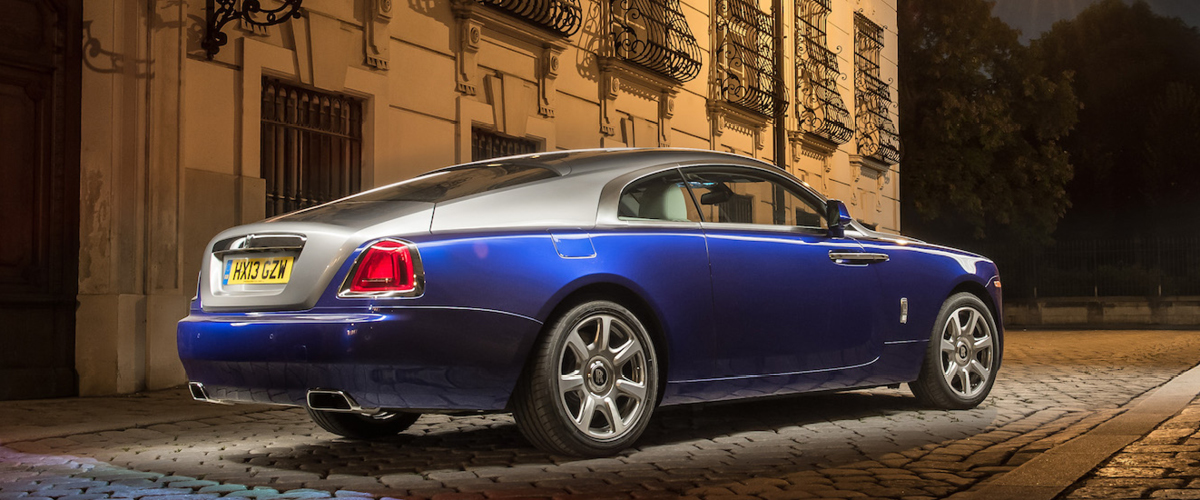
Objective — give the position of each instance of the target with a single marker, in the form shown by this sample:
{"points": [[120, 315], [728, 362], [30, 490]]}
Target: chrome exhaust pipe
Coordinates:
{"points": [[333, 400], [199, 393]]}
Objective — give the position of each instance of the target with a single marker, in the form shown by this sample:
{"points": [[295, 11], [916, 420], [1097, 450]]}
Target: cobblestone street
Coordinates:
{"points": [[1053, 386]]}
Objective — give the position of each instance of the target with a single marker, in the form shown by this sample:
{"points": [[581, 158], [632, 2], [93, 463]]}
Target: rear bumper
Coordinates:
{"points": [[436, 358]]}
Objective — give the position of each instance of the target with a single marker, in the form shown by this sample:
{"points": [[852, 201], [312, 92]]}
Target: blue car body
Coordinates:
{"points": [[736, 310]]}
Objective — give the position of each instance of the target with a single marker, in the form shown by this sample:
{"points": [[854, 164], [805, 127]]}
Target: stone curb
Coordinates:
{"points": [[1052, 472]]}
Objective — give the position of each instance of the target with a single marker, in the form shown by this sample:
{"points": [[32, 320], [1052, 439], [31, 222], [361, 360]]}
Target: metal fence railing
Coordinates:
{"points": [[1102, 268]]}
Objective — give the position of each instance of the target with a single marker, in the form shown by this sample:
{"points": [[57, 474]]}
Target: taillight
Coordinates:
{"points": [[388, 268]]}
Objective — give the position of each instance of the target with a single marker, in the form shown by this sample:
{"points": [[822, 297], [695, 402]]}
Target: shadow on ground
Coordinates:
{"points": [[675, 433]]}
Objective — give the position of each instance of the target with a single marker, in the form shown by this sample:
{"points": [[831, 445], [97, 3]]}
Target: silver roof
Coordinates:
{"points": [[582, 196], [569, 200]]}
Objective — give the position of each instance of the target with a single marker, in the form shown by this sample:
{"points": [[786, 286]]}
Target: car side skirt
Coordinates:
{"points": [[899, 362]]}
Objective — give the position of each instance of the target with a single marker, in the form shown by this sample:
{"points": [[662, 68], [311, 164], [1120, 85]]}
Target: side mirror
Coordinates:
{"points": [[837, 217]]}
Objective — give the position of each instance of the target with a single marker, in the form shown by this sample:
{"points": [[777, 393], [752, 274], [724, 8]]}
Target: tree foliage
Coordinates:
{"points": [[1136, 74], [981, 121]]}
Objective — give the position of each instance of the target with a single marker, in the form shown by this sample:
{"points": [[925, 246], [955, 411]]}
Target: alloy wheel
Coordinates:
{"points": [[966, 351], [602, 377]]}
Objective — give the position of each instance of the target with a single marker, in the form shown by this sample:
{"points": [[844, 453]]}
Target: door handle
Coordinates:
{"points": [[856, 258]]}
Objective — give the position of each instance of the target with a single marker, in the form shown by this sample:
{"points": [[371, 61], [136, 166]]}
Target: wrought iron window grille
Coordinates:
{"points": [[311, 146], [654, 34], [486, 144], [876, 133], [251, 12], [564, 17], [822, 112], [745, 56]]}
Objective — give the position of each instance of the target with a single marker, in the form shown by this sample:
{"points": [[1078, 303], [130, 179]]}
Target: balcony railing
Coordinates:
{"points": [[654, 35], [824, 113], [877, 137], [745, 57], [561, 16]]}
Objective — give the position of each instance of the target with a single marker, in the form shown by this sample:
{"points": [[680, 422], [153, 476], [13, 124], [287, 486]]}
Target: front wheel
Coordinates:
{"points": [[358, 426], [963, 356], [592, 383]]}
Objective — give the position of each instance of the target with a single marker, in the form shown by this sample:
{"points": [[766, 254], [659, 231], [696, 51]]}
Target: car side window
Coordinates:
{"points": [[661, 196], [743, 196]]}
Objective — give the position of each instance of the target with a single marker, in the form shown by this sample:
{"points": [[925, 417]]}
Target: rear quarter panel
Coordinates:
{"points": [[522, 273]]}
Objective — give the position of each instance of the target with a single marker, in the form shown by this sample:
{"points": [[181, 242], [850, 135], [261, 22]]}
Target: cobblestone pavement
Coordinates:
{"points": [[1164, 464], [875, 443]]}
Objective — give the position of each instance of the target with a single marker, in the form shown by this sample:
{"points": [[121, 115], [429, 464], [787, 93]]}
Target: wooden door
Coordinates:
{"points": [[39, 196]]}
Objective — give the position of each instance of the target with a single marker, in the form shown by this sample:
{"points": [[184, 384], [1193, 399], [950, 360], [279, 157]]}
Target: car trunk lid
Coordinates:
{"points": [[286, 263]]}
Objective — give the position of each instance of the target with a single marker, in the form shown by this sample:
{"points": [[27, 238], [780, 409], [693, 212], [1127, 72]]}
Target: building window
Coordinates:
{"points": [[561, 16], [655, 35], [876, 133], [822, 112], [486, 144], [311, 146], [745, 53]]}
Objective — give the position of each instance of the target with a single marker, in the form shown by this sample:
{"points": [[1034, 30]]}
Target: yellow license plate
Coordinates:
{"points": [[258, 271]]}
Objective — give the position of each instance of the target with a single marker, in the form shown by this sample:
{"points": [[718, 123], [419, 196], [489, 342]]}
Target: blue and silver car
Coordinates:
{"points": [[581, 290]]}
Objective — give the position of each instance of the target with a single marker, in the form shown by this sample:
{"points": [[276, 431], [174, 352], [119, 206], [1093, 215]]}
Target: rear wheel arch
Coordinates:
{"points": [[626, 297], [591, 384]]}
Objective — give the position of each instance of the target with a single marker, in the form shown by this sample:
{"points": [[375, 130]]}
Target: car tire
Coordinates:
{"points": [[592, 383], [359, 426], [963, 356]]}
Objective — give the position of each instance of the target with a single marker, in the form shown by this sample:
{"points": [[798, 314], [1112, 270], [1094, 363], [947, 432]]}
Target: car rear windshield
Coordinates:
{"points": [[444, 185]]}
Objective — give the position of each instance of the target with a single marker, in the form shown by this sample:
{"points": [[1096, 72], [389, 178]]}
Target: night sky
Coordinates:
{"points": [[1033, 17]]}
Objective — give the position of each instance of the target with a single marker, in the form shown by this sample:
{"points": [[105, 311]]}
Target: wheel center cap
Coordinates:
{"points": [[963, 352], [598, 376]]}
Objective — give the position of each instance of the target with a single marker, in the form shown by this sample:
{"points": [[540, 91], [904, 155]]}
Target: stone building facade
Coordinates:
{"points": [[174, 146]]}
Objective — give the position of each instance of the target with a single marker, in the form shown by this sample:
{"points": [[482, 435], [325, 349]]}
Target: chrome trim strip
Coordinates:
{"points": [[772, 228], [458, 308], [247, 241], [802, 372], [843, 257], [895, 342], [222, 253]]}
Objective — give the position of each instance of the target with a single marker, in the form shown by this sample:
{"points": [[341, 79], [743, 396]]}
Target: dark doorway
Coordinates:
{"points": [[39, 196]]}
